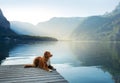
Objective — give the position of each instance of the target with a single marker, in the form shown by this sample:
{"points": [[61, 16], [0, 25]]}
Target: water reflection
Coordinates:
{"points": [[81, 59], [4, 50], [25, 53], [105, 55]]}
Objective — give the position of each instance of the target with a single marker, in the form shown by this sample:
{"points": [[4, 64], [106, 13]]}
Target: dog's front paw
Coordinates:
{"points": [[50, 70], [53, 69]]}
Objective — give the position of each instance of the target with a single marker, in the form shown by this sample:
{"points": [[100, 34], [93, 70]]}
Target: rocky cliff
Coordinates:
{"points": [[97, 28], [5, 31]]}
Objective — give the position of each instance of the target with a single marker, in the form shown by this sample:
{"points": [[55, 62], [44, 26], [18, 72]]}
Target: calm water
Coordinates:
{"points": [[77, 62]]}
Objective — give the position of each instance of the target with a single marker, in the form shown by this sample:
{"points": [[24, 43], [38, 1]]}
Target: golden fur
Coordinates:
{"points": [[41, 62]]}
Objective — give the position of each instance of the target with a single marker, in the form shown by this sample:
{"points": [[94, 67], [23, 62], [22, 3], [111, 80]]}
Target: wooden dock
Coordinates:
{"points": [[19, 74]]}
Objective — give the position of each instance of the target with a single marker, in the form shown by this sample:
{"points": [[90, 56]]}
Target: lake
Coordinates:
{"points": [[77, 62]]}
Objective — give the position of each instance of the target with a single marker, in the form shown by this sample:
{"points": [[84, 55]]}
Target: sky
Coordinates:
{"points": [[35, 11]]}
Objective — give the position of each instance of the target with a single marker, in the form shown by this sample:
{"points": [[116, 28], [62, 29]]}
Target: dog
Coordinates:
{"points": [[42, 62]]}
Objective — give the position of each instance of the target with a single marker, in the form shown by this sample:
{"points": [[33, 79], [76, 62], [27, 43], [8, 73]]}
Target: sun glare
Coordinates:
{"points": [[29, 15]]}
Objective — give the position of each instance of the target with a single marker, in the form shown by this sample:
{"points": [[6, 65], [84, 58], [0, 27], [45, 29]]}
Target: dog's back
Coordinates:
{"points": [[36, 63]]}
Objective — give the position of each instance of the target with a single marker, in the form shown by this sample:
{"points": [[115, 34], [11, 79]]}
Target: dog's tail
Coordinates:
{"points": [[29, 66]]}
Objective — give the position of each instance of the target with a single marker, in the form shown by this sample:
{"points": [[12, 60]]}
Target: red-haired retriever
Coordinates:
{"points": [[42, 62]]}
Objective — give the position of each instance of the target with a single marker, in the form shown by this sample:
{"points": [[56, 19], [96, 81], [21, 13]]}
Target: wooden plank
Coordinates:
{"points": [[19, 74]]}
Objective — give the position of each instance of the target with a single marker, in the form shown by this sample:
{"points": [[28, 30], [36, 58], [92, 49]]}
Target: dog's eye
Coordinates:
{"points": [[46, 56]]}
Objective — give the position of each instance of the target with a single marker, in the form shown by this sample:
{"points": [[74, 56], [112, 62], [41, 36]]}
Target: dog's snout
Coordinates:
{"points": [[51, 55]]}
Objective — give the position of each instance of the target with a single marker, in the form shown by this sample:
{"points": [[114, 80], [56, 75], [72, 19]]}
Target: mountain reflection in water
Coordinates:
{"points": [[77, 56]]}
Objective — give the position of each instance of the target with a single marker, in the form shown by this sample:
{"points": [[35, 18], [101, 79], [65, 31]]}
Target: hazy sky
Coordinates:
{"points": [[35, 11]]}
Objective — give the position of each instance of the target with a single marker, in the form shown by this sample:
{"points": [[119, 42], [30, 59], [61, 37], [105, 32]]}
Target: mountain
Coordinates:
{"points": [[12, 36], [24, 28], [29, 32], [60, 27], [87, 30], [116, 11], [21, 28], [104, 27], [55, 27], [5, 30]]}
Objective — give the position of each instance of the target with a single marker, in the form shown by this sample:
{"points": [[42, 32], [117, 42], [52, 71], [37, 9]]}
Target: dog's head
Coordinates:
{"points": [[47, 54]]}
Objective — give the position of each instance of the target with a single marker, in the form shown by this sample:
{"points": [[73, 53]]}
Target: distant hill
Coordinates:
{"points": [[22, 28], [55, 27], [61, 27], [104, 27]]}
